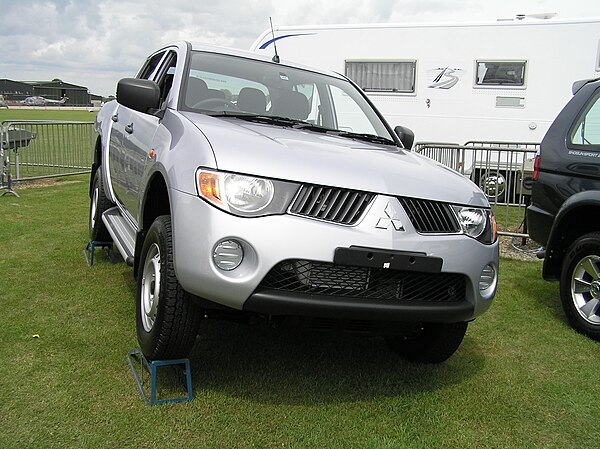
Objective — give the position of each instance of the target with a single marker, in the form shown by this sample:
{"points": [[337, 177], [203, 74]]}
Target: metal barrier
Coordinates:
{"points": [[44, 149], [503, 171]]}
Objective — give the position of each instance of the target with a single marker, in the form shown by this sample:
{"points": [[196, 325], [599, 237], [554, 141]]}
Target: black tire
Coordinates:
{"points": [[580, 285], [167, 319], [494, 185], [430, 342], [99, 203]]}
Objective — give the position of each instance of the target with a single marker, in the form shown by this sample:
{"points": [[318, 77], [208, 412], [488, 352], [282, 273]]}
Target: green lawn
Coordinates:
{"points": [[522, 377], [79, 115]]}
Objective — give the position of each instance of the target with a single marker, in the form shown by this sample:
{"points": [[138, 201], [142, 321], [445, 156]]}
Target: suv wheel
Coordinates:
{"points": [[430, 342], [99, 203], [580, 285], [167, 319]]}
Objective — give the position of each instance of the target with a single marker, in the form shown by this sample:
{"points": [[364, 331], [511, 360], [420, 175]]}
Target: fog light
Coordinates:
{"points": [[487, 278], [228, 255]]}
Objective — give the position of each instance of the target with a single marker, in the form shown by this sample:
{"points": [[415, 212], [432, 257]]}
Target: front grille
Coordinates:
{"points": [[332, 204], [327, 279], [429, 217]]}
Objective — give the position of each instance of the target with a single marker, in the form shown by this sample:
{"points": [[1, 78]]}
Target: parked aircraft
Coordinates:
{"points": [[41, 101]]}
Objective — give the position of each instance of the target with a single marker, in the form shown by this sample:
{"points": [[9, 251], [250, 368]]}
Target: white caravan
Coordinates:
{"points": [[466, 85], [500, 81]]}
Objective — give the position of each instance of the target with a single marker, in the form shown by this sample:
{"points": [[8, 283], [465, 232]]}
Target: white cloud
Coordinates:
{"points": [[96, 42]]}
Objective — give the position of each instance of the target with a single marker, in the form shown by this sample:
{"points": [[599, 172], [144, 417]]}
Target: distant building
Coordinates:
{"points": [[16, 91]]}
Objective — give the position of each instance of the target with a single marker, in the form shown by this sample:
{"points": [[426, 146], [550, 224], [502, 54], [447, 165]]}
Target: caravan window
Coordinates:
{"points": [[383, 76], [500, 73]]}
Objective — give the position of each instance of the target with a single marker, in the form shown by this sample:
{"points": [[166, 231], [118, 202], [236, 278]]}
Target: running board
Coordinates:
{"points": [[122, 233]]}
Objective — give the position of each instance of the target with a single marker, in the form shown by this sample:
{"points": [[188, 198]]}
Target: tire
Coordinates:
{"points": [[430, 342], [167, 319], [580, 285], [99, 203], [494, 186]]}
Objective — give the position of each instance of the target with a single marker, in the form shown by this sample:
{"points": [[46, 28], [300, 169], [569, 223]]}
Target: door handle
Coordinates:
{"points": [[129, 128], [115, 118]]}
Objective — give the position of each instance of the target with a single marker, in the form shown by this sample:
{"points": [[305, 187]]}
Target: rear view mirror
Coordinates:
{"points": [[407, 137], [138, 94]]}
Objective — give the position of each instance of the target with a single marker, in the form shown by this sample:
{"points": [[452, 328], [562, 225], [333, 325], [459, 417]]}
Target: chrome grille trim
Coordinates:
{"points": [[430, 217], [341, 206]]}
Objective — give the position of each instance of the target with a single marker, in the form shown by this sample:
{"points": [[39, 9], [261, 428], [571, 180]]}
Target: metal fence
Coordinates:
{"points": [[44, 149], [503, 171]]}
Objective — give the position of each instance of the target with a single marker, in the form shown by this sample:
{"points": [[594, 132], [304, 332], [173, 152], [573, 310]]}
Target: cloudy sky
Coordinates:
{"points": [[96, 42]]}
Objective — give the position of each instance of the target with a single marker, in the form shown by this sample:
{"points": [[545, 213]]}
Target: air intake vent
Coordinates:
{"points": [[331, 204], [430, 217]]}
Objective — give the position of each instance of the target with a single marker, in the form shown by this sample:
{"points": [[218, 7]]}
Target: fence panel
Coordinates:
{"points": [[44, 149], [503, 171]]}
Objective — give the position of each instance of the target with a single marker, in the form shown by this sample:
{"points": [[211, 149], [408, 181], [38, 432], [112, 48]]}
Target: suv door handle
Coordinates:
{"points": [[129, 128], [115, 118]]}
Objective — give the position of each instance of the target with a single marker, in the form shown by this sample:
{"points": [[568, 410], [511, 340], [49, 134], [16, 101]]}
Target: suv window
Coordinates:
{"points": [[586, 130]]}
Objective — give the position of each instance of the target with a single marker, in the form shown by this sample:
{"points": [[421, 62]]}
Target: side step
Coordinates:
{"points": [[122, 233]]}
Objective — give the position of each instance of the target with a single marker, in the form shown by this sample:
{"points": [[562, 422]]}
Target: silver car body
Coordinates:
{"points": [[177, 144]]}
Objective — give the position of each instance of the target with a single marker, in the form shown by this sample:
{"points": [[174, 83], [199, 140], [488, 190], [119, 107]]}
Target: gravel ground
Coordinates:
{"points": [[513, 248]]}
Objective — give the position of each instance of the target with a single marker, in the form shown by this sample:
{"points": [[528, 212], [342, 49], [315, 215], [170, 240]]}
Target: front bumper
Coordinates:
{"points": [[270, 241]]}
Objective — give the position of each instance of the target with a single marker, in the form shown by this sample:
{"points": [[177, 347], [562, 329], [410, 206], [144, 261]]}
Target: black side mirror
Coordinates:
{"points": [[407, 137], [138, 94]]}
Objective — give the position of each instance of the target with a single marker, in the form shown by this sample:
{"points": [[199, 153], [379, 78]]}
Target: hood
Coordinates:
{"points": [[316, 158]]}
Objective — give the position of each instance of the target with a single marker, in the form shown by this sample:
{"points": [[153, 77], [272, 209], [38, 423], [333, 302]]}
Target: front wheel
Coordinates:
{"points": [[429, 342], [580, 285], [167, 319]]}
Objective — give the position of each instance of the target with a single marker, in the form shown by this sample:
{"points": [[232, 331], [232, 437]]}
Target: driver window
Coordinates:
{"points": [[150, 66], [165, 77]]}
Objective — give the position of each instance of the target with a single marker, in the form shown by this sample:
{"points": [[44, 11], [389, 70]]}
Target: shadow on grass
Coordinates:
{"points": [[282, 366]]}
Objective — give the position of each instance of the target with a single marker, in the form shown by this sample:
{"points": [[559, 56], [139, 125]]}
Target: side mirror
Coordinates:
{"points": [[138, 94], [407, 137]]}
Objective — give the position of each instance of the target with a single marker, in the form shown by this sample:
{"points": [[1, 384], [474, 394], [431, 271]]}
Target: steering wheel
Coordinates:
{"points": [[215, 104]]}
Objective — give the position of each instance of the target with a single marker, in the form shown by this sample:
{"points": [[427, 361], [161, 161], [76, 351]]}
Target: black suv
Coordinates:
{"points": [[564, 214]]}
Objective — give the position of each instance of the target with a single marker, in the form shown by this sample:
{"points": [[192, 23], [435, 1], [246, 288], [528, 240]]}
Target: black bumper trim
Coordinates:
{"points": [[275, 302]]}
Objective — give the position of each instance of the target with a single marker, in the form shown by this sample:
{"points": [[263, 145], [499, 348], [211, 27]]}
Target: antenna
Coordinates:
{"points": [[276, 56]]}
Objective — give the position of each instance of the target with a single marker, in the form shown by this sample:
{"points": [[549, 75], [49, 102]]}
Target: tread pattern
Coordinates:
{"points": [[178, 316]]}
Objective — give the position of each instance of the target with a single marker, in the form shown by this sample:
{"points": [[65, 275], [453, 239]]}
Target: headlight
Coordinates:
{"points": [[244, 195], [477, 223]]}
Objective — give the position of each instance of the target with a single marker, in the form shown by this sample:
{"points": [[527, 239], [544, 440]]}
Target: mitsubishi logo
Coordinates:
{"points": [[389, 219]]}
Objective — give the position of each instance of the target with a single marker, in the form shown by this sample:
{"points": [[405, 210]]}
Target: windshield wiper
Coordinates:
{"points": [[301, 124], [366, 137], [271, 119]]}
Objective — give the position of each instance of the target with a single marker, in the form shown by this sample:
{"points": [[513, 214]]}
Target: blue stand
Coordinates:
{"points": [[90, 249], [136, 356]]}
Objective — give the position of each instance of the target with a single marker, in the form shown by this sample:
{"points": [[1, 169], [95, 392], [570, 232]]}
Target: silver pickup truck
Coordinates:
{"points": [[242, 187]]}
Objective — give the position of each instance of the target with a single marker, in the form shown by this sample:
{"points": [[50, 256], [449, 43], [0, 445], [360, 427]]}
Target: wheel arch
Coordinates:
{"points": [[572, 221], [96, 161], [156, 202]]}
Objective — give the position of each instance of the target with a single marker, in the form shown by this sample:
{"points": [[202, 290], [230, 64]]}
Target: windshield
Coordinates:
{"points": [[228, 85]]}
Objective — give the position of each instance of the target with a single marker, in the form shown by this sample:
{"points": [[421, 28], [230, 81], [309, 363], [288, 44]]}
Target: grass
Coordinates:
{"points": [[77, 115], [522, 377]]}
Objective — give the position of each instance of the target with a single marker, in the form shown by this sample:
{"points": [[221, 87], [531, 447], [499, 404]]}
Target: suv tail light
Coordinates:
{"points": [[536, 167]]}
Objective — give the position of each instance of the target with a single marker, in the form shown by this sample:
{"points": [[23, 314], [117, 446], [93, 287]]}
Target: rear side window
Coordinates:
{"points": [[500, 73], [586, 130]]}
